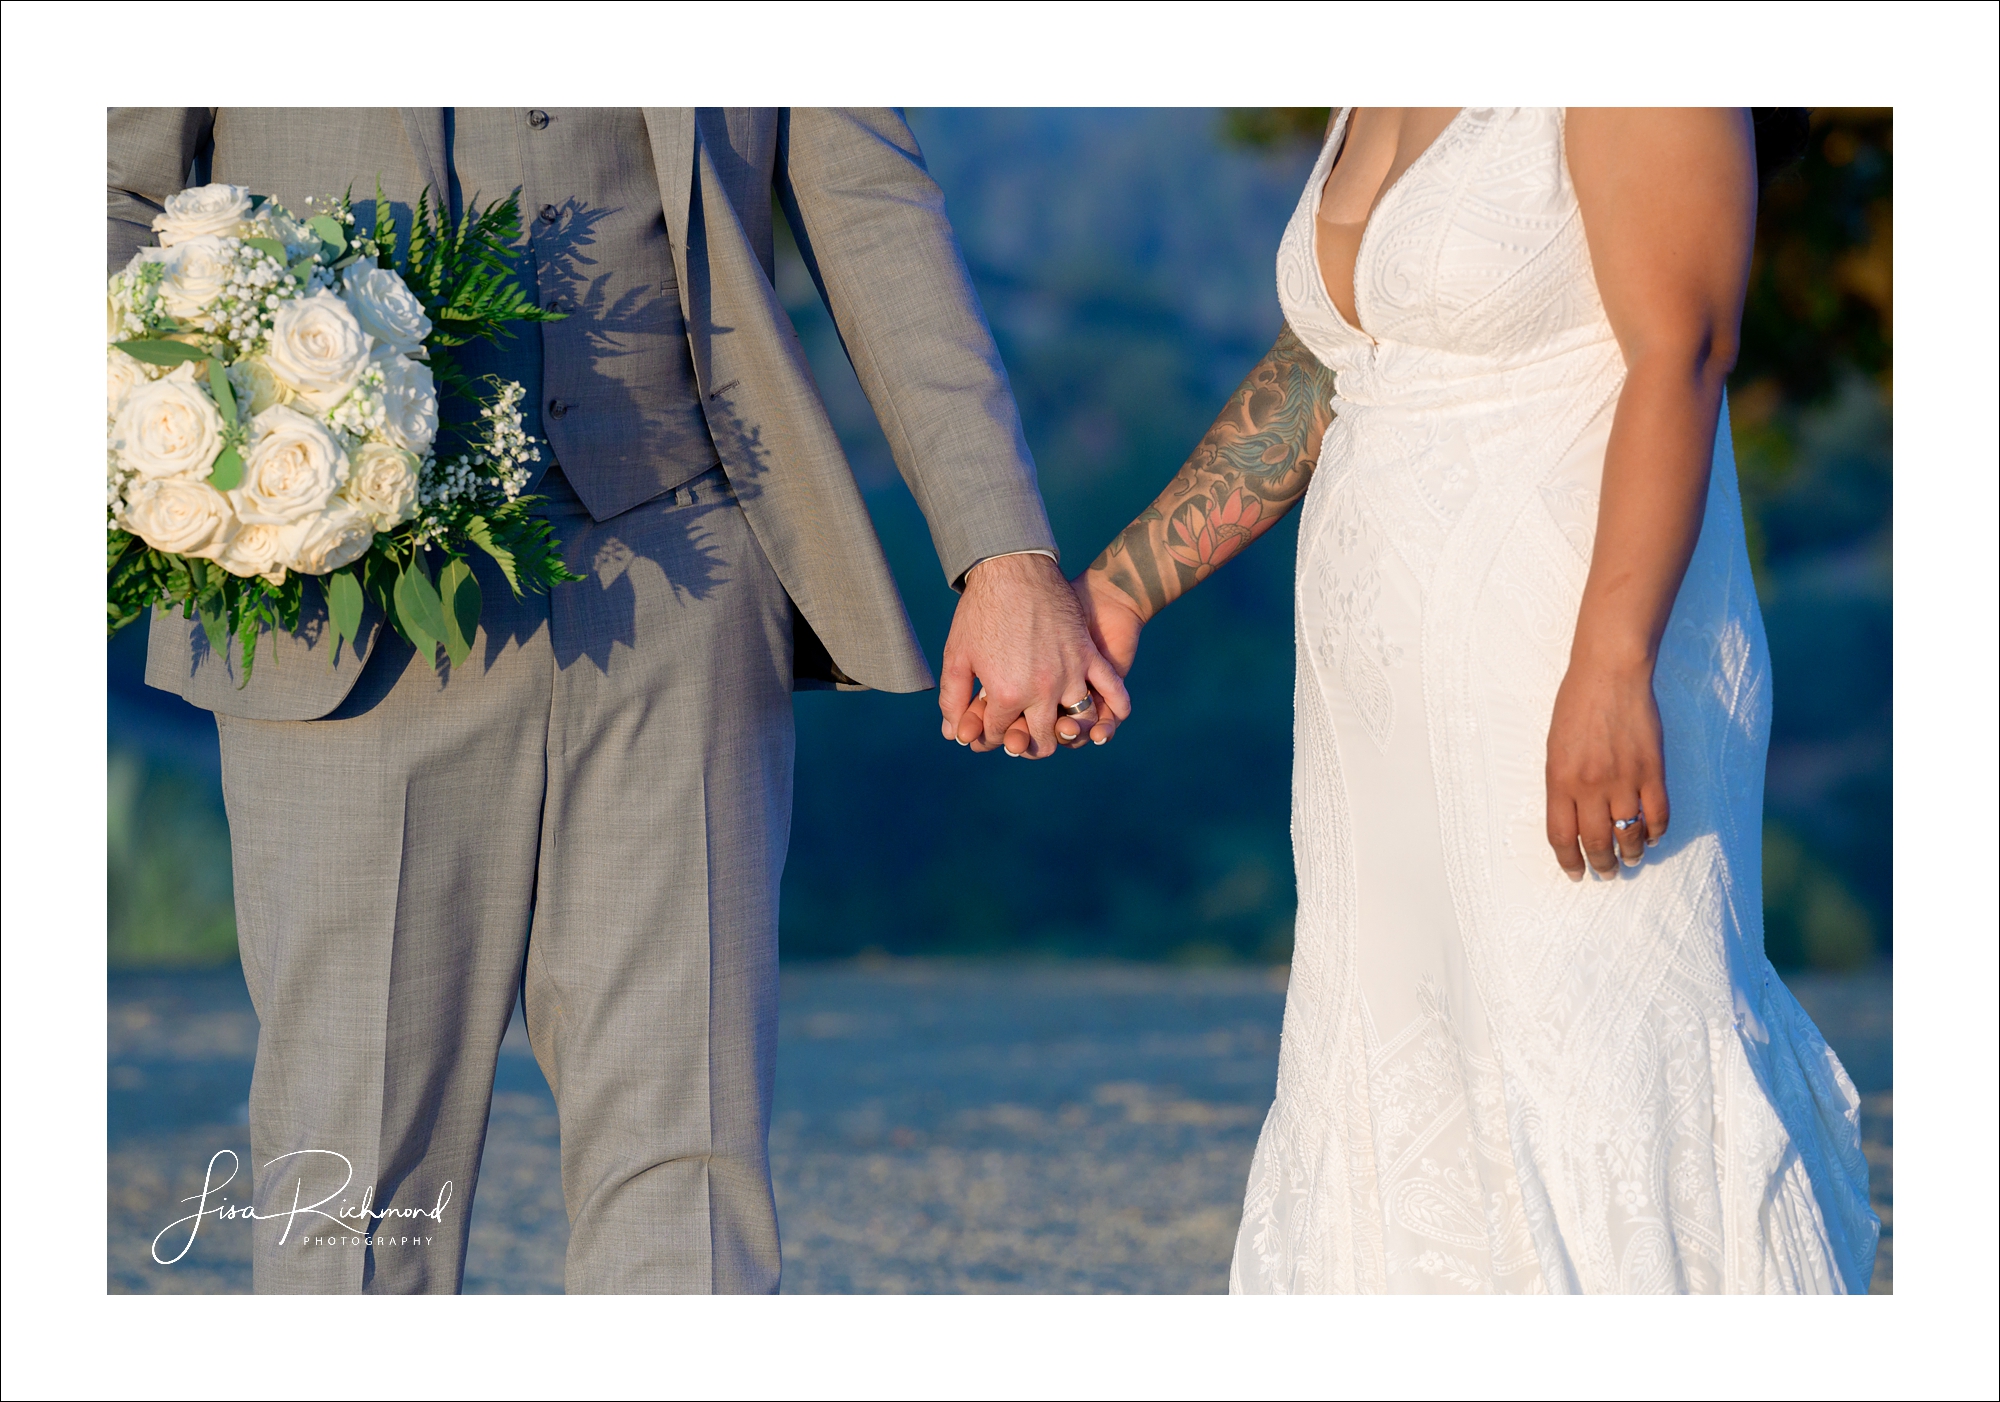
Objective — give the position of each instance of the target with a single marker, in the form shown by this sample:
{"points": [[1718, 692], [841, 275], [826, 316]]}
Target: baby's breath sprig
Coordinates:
{"points": [[495, 466]]}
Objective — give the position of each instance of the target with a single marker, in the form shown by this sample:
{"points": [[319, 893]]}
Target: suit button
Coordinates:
{"points": [[557, 408], [538, 119], [549, 213], [555, 304]]}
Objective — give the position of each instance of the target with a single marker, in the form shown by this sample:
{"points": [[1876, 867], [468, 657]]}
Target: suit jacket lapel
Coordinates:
{"points": [[425, 127], [671, 132]]}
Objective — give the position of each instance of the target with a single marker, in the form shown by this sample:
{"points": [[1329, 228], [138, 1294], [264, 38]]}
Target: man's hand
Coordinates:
{"points": [[1114, 627], [1020, 633]]}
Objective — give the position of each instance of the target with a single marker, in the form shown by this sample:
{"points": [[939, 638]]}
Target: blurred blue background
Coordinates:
{"points": [[1125, 260]]}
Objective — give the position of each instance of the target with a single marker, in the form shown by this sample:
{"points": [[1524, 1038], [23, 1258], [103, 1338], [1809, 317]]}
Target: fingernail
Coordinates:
{"points": [[1629, 861], [1652, 842], [1575, 876], [1097, 739], [961, 742]]}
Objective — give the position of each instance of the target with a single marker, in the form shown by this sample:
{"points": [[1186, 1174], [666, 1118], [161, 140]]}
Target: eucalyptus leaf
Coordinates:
{"points": [[460, 592], [329, 230], [269, 246], [302, 269], [225, 397], [227, 474], [162, 352], [343, 606], [420, 611]]}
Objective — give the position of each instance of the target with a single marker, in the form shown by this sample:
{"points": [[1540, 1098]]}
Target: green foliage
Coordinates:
{"points": [[344, 602], [167, 868], [1811, 918], [465, 275], [1820, 296], [166, 353], [458, 593], [419, 612], [1271, 128], [331, 234]]}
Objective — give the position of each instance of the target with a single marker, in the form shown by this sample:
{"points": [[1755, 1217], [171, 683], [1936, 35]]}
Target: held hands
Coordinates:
{"points": [[1022, 634], [1606, 763]]}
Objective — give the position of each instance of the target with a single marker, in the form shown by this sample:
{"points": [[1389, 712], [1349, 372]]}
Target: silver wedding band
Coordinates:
{"points": [[1074, 709]]}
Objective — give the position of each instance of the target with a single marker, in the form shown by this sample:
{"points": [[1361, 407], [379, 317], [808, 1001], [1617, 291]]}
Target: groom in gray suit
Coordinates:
{"points": [[592, 813]]}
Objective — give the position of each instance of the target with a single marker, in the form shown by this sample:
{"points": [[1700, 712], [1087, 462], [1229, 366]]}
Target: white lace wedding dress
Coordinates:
{"points": [[1493, 1079]]}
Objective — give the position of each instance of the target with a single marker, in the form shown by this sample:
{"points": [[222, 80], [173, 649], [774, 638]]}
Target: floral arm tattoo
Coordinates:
{"points": [[1249, 469]]}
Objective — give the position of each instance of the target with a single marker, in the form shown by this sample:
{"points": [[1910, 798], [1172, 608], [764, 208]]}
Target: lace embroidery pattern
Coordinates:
{"points": [[1617, 1094], [1349, 641]]}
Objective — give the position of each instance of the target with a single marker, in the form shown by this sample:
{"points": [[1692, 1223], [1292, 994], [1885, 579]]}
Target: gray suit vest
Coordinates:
{"points": [[612, 386]]}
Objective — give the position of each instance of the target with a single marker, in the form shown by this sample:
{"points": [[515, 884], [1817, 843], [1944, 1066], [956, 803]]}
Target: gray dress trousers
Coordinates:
{"points": [[598, 803]]}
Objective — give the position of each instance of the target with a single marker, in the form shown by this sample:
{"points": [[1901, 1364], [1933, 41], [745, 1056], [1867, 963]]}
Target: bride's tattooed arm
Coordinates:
{"points": [[1249, 469]]}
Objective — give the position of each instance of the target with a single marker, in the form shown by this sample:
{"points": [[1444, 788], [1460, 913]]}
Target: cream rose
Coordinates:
{"points": [[293, 468], [257, 550], [168, 428], [196, 273], [409, 404], [382, 484], [179, 516], [337, 536], [126, 375], [252, 376], [318, 348], [202, 211], [386, 308]]}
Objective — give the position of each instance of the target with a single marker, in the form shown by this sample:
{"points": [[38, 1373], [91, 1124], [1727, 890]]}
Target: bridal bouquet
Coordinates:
{"points": [[274, 416]]}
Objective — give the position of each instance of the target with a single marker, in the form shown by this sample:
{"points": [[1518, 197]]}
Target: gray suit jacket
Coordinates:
{"points": [[871, 225]]}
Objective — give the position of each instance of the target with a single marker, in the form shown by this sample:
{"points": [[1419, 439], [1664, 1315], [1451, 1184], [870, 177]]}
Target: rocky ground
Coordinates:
{"points": [[939, 1127]]}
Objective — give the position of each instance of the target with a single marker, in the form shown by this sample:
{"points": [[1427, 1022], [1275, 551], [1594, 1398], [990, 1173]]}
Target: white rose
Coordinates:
{"points": [[168, 428], [337, 536], [126, 375], [318, 348], [409, 404], [205, 210], [257, 550], [293, 468], [197, 271], [179, 516], [386, 308], [382, 484], [252, 376]]}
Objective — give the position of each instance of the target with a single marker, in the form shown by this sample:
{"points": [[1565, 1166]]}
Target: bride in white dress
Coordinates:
{"points": [[1525, 624]]}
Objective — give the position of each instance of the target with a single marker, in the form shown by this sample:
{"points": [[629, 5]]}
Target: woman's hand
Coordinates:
{"points": [[1606, 763], [1114, 627]]}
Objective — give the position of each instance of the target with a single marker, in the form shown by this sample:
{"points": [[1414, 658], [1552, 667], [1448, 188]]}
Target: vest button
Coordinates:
{"points": [[557, 408], [538, 119], [549, 213]]}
